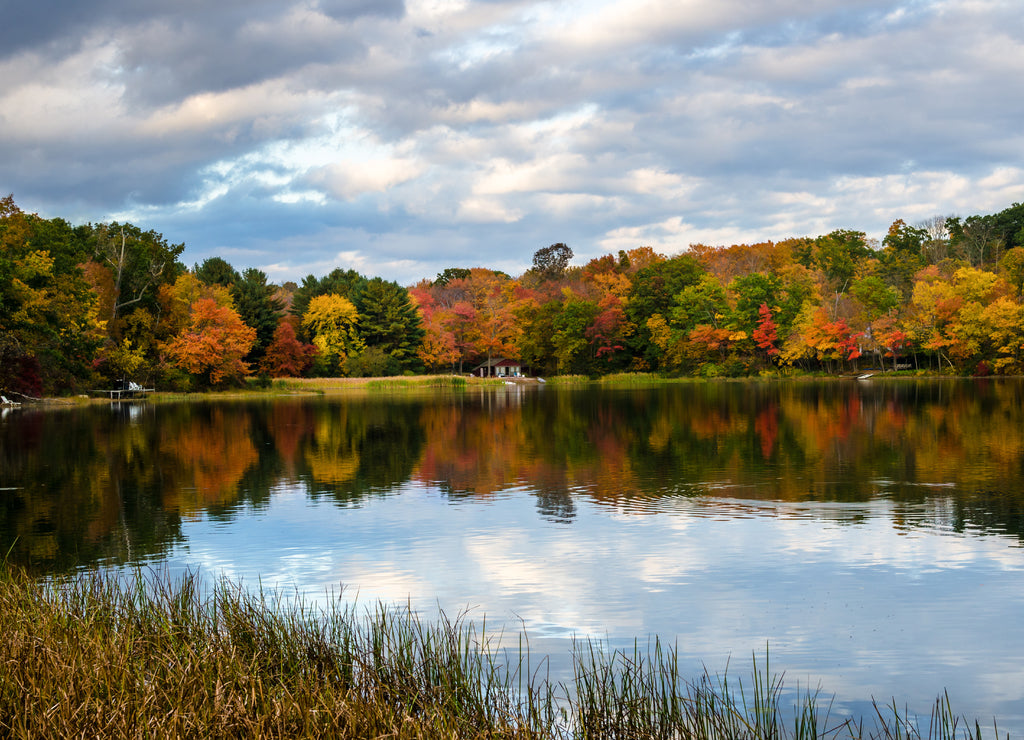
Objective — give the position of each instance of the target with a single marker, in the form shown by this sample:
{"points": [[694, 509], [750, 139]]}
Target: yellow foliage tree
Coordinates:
{"points": [[333, 322]]}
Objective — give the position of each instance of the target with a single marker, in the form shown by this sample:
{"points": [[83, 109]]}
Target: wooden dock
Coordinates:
{"points": [[127, 392]]}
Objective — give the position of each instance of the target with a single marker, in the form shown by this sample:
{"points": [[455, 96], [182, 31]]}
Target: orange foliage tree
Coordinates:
{"points": [[832, 340], [438, 349], [213, 343], [817, 337]]}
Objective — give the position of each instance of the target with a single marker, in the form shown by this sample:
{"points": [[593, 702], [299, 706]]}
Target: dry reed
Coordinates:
{"points": [[150, 657]]}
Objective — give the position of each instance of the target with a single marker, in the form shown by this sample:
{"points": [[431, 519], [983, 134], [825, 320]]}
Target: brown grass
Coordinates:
{"points": [[96, 656]]}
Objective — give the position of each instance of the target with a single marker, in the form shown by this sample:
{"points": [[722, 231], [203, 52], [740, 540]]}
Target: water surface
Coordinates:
{"points": [[868, 533]]}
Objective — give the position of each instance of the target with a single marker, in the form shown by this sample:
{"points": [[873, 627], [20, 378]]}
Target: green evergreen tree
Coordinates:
{"points": [[259, 309], [389, 320], [216, 271]]}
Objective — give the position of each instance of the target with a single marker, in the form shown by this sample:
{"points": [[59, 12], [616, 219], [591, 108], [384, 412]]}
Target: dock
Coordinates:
{"points": [[126, 392]]}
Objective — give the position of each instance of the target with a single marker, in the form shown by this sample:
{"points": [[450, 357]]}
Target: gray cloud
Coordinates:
{"points": [[408, 137]]}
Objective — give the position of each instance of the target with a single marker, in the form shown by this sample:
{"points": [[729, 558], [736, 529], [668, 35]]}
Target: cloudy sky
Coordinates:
{"points": [[400, 137]]}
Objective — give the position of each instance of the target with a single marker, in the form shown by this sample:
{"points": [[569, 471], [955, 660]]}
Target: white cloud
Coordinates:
{"points": [[620, 122], [674, 235], [74, 98], [656, 181], [487, 210], [267, 107], [348, 180], [553, 173]]}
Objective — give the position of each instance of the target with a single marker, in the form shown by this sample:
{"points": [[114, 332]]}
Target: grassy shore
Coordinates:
{"points": [[94, 656], [253, 388]]}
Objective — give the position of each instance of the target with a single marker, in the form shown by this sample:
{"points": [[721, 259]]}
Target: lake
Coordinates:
{"points": [[868, 534]]}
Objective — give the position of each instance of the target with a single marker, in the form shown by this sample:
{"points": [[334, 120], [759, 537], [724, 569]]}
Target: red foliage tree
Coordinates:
{"points": [[286, 356], [766, 333]]}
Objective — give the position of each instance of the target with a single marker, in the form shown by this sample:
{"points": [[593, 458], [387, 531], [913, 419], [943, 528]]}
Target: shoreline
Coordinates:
{"points": [[286, 387]]}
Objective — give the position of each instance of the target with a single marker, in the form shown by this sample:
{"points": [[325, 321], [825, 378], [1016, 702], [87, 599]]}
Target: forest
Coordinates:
{"points": [[82, 307]]}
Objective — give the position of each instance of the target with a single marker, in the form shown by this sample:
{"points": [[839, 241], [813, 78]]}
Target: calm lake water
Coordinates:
{"points": [[868, 533]]}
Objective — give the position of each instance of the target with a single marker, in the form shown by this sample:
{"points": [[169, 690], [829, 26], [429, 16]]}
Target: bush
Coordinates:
{"points": [[372, 362], [710, 370]]}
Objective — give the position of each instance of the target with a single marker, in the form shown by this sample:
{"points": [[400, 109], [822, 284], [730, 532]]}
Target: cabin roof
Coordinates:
{"points": [[499, 362]]}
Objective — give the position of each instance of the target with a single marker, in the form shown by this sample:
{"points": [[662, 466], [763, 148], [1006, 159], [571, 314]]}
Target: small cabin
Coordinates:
{"points": [[499, 367]]}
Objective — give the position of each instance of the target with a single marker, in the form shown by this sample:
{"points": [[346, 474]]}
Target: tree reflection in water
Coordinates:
{"points": [[114, 484]]}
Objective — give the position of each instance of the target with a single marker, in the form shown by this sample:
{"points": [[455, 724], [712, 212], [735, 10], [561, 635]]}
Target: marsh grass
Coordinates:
{"points": [[150, 656], [636, 379], [449, 382], [568, 380]]}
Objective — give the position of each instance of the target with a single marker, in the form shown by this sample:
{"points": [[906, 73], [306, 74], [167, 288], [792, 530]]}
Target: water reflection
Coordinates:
{"points": [[111, 484], [870, 532]]}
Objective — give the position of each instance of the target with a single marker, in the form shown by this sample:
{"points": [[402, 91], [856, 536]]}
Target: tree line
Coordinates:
{"points": [[85, 306]]}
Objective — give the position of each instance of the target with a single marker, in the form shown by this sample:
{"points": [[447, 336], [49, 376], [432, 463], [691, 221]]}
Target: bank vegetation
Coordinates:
{"points": [[105, 656], [86, 307]]}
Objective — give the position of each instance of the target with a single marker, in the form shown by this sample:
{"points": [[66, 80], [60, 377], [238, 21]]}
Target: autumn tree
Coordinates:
{"points": [[986, 323], [609, 331], [1004, 321], [709, 347], [573, 349], [892, 338], [902, 254], [173, 310], [820, 338], [766, 335], [729, 263], [935, 305], [496, 332], [461, 321], [652, 294], [339, 282], [333, 322], [49, 326], [139, 260], [476, 313], [213, 344], [286, 356], [437, 348], [549, 263], [1011, 267]]}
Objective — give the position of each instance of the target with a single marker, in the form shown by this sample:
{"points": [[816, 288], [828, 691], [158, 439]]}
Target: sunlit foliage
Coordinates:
{"points": [[93, 304]]}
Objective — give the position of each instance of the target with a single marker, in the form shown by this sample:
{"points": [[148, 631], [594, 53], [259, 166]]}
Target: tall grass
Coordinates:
{"points": [[453, 382], [568, 380], [635, 379], [101, 656]]}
